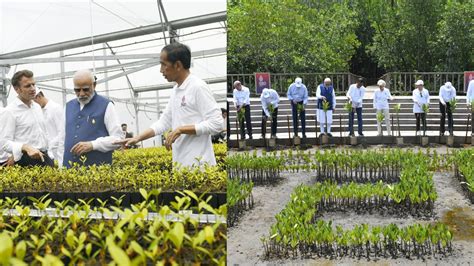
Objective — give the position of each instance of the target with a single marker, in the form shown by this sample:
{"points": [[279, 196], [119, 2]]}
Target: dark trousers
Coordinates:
{"points": [[443, 110], [422, 117], [28, 161], [359, 121], [248, 122], [274, 122], [294, 111]]}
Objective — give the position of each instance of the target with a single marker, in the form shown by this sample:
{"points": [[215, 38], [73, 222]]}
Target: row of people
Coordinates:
{"points": [[326, 101], [35, 131]]}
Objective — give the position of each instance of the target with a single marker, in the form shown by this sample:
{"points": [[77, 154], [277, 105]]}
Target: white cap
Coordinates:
{"points": [[266, 93], [419, 82], [327, 80], [298, 82], [236, 83], [381, 82], [448, 84]]}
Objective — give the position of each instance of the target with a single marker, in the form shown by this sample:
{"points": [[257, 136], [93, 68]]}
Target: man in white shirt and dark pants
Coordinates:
{"points": [[242, 100], [421, 97], [26, 135], [270, 100], [91, 125], [356, 96], [446, 93], [192, 112], [381, 98], [470, 103], [54, 116]]}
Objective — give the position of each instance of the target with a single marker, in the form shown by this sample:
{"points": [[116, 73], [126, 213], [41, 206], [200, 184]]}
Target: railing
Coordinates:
{"points": [[404, 81], [280, 82]]}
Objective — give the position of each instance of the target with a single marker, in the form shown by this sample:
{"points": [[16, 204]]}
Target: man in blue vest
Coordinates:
{"points": [[326, 96], [91, 125]]}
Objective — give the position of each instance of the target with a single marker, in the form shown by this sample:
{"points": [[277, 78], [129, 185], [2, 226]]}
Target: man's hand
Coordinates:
{"points": [[126, 143], [32, 152], [10, 161], [295, 102], [172, 138], [82, 147]]}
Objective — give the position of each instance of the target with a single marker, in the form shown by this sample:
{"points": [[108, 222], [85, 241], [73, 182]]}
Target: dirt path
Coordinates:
{"points": [[245, 248]]}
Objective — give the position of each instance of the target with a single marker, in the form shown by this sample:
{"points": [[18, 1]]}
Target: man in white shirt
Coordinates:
{"points": [[421, 97], [242, 100], [192, 112], [221, 136], [270, 100], [298, 96], [54, 115], [381, 98], [6, 159], [446, 93], [356, 96], [91, 125], [470, 103], [25, 134], [325, 93]]}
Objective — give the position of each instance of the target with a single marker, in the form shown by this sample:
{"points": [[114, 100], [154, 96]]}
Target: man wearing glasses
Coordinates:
{"points": [[24, 130], [91, 125]]}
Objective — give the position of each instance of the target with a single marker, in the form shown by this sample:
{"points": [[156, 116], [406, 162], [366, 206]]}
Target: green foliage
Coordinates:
{"points": [[464, 170], [241, 115], [397, 108], [290, 36], [426, 108], [239, 199], [142, 235], [258, 169], [380, 116], [325, 106], [453, 104], [348, 107]]}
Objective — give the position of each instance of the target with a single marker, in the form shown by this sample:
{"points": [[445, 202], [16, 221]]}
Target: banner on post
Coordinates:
{"points": [[262, 81], [468, 76]]}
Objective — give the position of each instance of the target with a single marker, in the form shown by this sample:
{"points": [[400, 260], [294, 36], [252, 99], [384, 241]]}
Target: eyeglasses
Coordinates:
{"points": [[77, 90]]}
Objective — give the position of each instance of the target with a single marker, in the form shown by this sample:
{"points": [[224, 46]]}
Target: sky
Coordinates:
{"points": [[29, 24]]}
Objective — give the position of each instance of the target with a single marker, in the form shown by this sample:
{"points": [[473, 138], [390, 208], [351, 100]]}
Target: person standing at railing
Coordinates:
{"points": [[298, 96], [381, 98], [325, 94], [242, 100], [447, 93], [421, 98], [355, 94], [470, 103], [270, 100]]}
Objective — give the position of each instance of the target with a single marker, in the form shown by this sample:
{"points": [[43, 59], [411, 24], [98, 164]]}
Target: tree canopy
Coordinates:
{"points": [[362, 36]]}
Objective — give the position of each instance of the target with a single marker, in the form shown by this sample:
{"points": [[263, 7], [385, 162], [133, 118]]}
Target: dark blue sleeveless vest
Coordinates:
{"points": [[326, 92], [86, 125]]}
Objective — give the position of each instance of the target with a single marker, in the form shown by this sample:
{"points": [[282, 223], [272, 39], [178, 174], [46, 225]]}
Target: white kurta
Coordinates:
{"points": [[54, 116], [192, 103], [322, 116]]}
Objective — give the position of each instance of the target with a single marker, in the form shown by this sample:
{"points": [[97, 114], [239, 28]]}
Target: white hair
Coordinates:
{"points": [[381, 82], [236, 83], [84, 73]]}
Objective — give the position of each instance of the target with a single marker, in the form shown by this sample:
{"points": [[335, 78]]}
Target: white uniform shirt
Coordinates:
{"points": [[241, 97], [192, 103], [446, 94], [102, 144], [381, 99], [26, 127], [470, 92], [356, 95], [273, 99], [420, 98], [54, 116]]}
